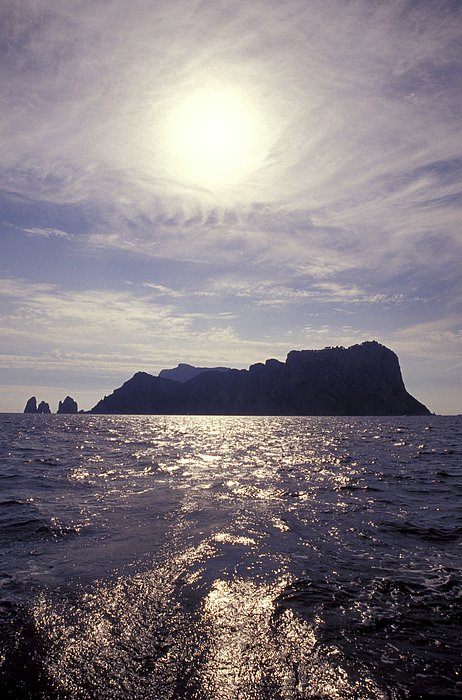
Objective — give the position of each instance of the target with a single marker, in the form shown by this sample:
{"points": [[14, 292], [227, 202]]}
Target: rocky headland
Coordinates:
{"points": [[361, 380]]}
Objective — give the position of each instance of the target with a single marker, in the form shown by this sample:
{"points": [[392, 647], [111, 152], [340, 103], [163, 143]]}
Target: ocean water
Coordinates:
{"points": [[230, 558]]}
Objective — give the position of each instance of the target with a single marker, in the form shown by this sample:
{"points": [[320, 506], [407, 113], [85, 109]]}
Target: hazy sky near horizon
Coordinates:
{"points": [[220, 182]]}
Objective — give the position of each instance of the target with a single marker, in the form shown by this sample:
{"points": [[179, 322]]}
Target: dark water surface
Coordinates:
{"points": [[230, 558]]}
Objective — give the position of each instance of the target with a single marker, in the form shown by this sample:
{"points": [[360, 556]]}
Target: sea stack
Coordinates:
{"points": [[68, 406], [31, 405]]}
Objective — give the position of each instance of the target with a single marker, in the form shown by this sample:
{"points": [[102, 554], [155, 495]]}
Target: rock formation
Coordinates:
{"points": [[184, 372], [31, 405], [68, 406], [361, 380]]}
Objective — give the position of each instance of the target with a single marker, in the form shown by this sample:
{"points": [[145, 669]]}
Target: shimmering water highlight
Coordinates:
{"points": [[226, 557]]}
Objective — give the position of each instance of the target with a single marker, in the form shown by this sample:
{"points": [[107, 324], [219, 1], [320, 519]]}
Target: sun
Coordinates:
{"points": [[214, 138]]}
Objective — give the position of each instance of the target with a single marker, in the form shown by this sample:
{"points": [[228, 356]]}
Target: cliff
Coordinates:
{"points": [[361, 380]]}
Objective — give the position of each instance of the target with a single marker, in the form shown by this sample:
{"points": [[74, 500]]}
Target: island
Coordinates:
{"points": [[362, 380]]}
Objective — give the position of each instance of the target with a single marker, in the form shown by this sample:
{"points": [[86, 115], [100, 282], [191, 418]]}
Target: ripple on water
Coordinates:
{"points": [[226, 557]]}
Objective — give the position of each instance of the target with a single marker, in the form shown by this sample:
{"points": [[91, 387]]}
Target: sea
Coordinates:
{"points": [[230, 558]]}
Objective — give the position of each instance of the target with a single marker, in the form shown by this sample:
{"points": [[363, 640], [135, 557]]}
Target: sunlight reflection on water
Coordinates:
{"points": [[245, 559], [155, 633]]}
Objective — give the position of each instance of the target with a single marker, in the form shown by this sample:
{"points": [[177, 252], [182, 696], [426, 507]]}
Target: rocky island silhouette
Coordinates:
{"points": [[364, 380], [66, 406]]}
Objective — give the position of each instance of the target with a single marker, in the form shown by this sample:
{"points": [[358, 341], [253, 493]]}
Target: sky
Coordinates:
{"points": [[220, 182]]}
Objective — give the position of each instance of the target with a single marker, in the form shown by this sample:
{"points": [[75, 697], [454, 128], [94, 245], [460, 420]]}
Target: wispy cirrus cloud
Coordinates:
{"points": [[363, 107], [48, 327], [46, 232]]}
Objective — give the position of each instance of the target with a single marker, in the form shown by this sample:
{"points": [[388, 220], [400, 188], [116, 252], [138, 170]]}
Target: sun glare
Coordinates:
{"points": [[215, 139]]}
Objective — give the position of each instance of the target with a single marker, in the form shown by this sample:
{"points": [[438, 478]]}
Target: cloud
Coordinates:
{"points": [[49, 317], [267, 293], [92, 86], [161, 290], [360, 99], [46, 232], [46, 327], [439, 339]]}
